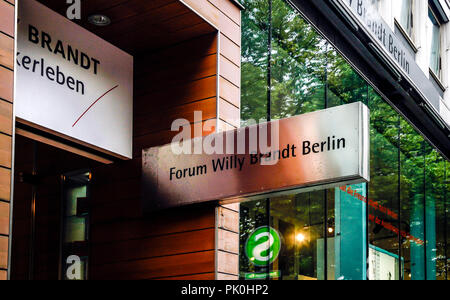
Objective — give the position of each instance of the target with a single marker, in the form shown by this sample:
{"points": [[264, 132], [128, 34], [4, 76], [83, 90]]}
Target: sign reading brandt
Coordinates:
{"points": [[72, 83], [324, 148]]}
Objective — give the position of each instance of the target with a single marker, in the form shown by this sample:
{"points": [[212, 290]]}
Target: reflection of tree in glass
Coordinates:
{"points": [[307, 74]]}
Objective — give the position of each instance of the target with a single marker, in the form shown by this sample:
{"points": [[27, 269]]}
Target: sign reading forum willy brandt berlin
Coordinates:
{"points": [[72, 83], [326, 148]]}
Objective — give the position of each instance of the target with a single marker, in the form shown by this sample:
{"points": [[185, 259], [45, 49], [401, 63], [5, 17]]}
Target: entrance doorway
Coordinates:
{"points": [[50, 230]]}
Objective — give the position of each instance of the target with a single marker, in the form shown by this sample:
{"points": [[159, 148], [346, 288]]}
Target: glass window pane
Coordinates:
{"points": [[383, 187], [75, 230], [254, 60], [350, 236], [299, 219], [434, 214], [253, 215], [435, 46], [412, 199], [344, 85], [72, 198], [299, 61], [297, 222], [405, 19]]}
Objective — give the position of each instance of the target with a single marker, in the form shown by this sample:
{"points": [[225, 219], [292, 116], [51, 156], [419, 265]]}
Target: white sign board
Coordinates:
{"points": [[322, 148], [73, 83]]}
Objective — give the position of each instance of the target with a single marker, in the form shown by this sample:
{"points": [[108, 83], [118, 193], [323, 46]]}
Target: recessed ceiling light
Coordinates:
{"points": [[99, 20]]}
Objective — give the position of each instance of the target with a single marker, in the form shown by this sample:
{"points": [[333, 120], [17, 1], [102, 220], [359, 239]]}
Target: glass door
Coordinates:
{"points": [[305, 236]]}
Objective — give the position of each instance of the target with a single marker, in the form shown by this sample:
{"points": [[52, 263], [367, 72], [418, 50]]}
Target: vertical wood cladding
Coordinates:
{"points": [[226, 16], [7, 18], [170, 83], [227, 242]]}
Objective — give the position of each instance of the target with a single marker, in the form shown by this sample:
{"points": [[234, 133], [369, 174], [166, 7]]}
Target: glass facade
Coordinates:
{"points": [[395, 227]]}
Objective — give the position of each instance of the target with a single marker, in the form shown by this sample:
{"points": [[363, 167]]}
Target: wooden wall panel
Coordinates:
{"points": [[4, 218], [206, 276], [5, 150], [179, 95], [227, 263], [6, 51], [230, 71], [6, 117], [171, 83], [128, 245], [230, 92], [176, 74], [229, 113], [6, 82], [205, 9], [152, 123], [223, 15], [158, 267], [163, 223], [164, 245], [3, 252], [230, 50], [165, 136], [7, 19], [228, 242], [222, 276], [230, 62], [229, 8], [224, 126], [7, 25], [5, 184]]}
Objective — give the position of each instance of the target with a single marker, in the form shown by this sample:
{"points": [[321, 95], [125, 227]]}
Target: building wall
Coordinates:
{"points": [[198, 242], [125, 244], [226, 15], [202, 74], [7, 18], [421, 40]]}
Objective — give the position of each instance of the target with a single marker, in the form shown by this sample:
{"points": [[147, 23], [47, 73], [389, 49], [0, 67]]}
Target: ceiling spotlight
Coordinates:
{"points": [[99, 20]]}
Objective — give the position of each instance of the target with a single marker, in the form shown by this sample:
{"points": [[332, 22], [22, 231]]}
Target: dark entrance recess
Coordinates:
{"points": [[42, 233]]}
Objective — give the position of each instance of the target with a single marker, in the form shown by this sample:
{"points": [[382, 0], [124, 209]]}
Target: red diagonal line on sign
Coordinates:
{"points": [[93, 105]]}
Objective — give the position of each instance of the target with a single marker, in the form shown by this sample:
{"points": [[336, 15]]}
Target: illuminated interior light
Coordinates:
{"points": [[300, 237]]}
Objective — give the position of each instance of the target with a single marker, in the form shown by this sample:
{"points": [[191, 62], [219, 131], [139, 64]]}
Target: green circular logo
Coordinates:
{"points": [[263, 246]]}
